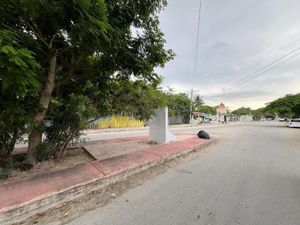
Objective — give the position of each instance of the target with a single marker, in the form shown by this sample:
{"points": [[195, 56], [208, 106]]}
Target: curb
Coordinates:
{"points": [[18, 213]]}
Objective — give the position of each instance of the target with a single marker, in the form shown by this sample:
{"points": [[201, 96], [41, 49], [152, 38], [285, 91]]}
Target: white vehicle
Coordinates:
{"points": [[294, 123]]}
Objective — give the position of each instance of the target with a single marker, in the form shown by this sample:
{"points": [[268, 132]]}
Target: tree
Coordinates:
{"points": [[258, 113], [285, 107], [137, 98], [18, 81], [179, 105], [242, 111], [207, 109], [197, 103], [64, 35]]}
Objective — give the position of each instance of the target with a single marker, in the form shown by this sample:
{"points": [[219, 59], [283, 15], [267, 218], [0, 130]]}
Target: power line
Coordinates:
{"points": [[266, 59], [196, 57], [266, 68], [262, 70], [197, 44]]}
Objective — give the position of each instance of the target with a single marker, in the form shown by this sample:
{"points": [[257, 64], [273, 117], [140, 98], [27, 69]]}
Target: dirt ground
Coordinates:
{"points": [[105, 151], [71, 158], [78, 156]]}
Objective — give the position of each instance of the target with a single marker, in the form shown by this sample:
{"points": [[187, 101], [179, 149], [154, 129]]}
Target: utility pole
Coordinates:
{"points": [[223, 95], [191, 107], [196, 60]]}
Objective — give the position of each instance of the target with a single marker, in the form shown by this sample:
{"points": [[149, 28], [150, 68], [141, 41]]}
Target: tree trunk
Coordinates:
{"points": [[35, 137]]}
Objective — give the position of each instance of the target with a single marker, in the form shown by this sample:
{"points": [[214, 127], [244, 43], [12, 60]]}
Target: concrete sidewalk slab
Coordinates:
{"points": [[176, 147], [25, 197], [104, 151]]}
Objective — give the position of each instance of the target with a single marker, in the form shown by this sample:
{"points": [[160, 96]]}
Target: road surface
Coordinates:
{"points": [[95, 136], [250, 177], [120, 134]]}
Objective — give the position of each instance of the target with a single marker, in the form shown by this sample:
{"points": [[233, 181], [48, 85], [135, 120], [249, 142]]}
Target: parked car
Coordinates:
{"points": [[294, 123]]}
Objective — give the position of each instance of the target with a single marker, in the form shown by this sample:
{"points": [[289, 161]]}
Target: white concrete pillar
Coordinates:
{"points": [[159, 127]]}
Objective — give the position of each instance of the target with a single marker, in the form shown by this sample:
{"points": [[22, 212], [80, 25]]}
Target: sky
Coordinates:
{"points": [[236, 39]]}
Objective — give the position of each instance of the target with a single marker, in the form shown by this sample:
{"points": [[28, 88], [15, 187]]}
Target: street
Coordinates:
{"points": [[251, 176], [150, 112], [94, 136], [101, 135]]}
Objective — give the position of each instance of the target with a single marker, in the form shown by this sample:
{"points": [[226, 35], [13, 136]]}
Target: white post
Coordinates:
{"points": [[159, 127]]}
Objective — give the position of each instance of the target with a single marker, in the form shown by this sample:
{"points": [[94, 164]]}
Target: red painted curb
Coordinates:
{"points": [[15, 194], [23, 191]]}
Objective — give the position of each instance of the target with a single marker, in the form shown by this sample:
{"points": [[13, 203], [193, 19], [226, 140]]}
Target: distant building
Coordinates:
{"points": [[199, 117], [221, 109], [221, 112]]}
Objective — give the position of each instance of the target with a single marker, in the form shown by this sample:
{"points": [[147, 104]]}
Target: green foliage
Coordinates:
{"points": [[207, 109], [97, 47], [258, 113], [242, 111], [285, 107], [19, 85], [68, 117], [197, 103], [3, 173], [18, 66], [15, 117], [43, 152], [288, 106], [179, 105], [138, 98]]}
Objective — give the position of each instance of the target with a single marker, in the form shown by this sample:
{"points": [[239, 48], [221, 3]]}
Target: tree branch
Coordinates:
{"points": [[38, 35], [72, 69], [53, 37], [62, 51]]}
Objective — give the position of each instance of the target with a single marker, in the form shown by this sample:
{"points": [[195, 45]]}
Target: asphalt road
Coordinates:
{"points": [[100, 135], [132, 133], [250, 177]]}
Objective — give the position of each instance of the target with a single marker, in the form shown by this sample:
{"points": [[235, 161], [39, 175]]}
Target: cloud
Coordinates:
{"points": [[240, 95], [236, 38]]}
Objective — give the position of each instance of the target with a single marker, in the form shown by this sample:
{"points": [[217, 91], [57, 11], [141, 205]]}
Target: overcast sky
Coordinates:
{"points": [[236, 39]]}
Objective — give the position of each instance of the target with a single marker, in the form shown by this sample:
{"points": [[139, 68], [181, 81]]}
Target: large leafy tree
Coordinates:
{"points": [[288, 106], [179, 105], [137, 98], [242, 111], [66, 38], [285, 107], [18, 86], [197, 103], [208, 109]]}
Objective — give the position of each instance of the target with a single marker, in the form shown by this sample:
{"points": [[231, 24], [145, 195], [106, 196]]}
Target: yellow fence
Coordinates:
{"points": [[119, 121]]}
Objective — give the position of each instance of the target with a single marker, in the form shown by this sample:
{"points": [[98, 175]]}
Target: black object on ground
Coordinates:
{"points": [[202, 134]]}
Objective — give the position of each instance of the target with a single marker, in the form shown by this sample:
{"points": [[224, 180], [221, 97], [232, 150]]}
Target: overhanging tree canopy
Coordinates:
{"points": [[65, 38]]}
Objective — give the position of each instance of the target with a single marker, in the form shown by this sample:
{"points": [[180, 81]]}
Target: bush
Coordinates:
{"points": [[68, 116]]}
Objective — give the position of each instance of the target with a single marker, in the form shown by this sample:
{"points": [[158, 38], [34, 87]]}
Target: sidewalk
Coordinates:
{"points": [[22, 198]]}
